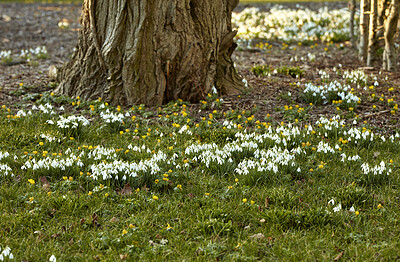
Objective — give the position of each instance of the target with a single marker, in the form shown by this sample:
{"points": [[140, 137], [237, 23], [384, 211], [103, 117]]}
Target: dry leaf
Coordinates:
{"points": [[339, 256], [95, 220], [114, 219], [267, 200], [123, 257], [127, 190]]}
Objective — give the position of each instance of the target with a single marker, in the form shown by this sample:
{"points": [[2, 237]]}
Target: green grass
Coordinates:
{"points": [[203, 212]]}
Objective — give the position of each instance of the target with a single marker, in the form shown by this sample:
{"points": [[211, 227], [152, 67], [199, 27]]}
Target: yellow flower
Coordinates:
{"points": [[106, 194], [357, 213], [168, 227], [31, 181], [131, 226], [49, 193], [380, 206], [244, 200], [31, 199], [65, 177], [41, 143], [179, 186], [236, 180], [252, 202], [156, 181], [90, 193], [124, 232], [207, 194], [155, 197], [229, 187]]}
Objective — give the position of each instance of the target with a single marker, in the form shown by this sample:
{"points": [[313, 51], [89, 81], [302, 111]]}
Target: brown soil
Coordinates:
{"points": [[26, 26]]}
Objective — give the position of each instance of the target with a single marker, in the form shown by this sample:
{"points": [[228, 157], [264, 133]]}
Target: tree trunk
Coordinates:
{"points": [[372, 33], [352, 7], [389, 54], [152, 51], [364, 29]]}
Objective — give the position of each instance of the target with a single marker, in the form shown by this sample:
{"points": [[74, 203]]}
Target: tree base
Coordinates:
{"points": [[151, 52]]}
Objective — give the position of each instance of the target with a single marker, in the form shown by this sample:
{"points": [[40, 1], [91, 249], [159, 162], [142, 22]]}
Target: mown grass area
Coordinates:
{"points": [[82, 180]]}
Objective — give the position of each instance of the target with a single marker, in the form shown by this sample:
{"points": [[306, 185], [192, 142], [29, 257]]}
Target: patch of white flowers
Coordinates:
{"points": [[5, 170], [5, 54], [45, 109], [356, 77], [72, 122], [293, 25], [376, 170], [6, 254], [331, 89], [111, 117]]}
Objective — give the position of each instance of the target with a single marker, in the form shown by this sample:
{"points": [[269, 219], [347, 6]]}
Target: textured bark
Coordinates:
{"points": [[389, 54], [364, 29], [371, 58], [352, 7], [152, 51]]}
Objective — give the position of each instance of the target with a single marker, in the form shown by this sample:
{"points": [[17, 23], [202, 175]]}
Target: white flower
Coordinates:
{"points": [[352, 209], [337, 208], [52, 258]]}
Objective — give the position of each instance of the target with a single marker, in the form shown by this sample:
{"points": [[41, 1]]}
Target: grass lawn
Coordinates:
{"points": [[165, 184]]}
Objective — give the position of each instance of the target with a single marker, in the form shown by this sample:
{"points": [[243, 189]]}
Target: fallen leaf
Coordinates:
{"points": [[6, 18], [267, 200], [45, 182], [126, 190], [123, 257], [114, 219], [95, 220], [339, 256]]}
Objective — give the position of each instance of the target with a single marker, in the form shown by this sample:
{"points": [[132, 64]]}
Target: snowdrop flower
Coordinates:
{"points": [[337, 208], [52, 258]]}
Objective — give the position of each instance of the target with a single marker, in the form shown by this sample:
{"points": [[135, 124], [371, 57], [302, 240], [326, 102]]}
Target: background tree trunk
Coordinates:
{"points": [[152, 51], [352, 7], [364, 29], [389, 54], [372, 33]]}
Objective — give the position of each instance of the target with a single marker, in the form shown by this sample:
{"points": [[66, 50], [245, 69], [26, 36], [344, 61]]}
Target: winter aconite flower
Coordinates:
{"points": [[31, 181], [155, 197], [244, 200]]}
